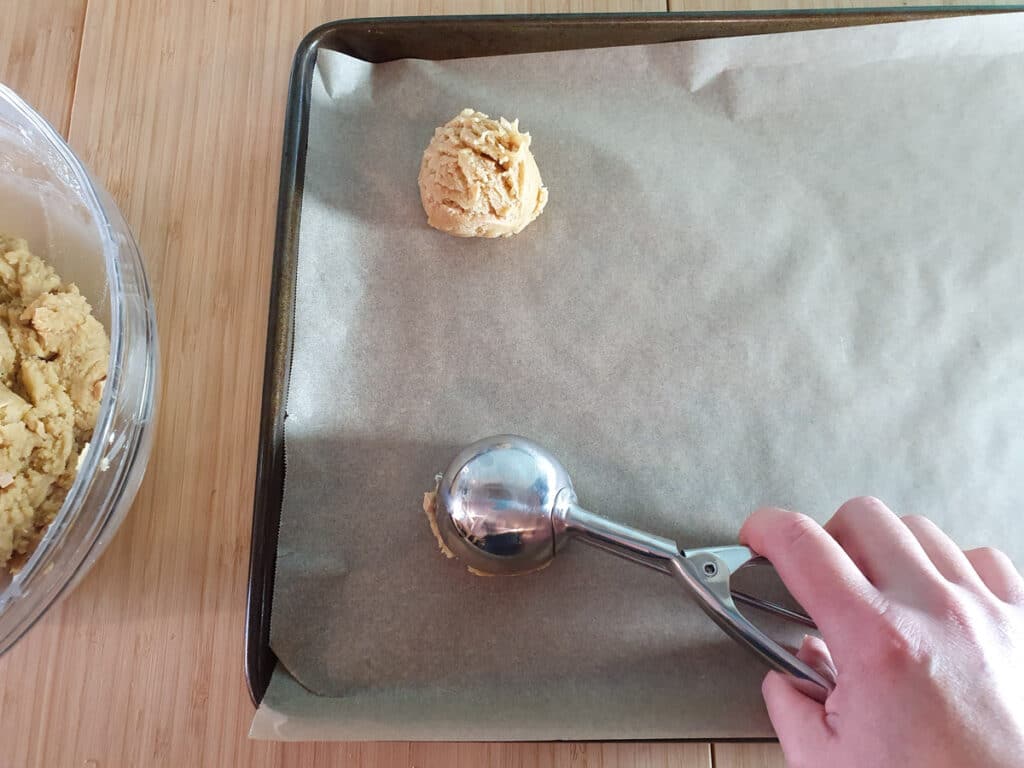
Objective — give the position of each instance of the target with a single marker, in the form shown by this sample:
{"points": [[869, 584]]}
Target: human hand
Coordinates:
{"points": [[926, 642]]}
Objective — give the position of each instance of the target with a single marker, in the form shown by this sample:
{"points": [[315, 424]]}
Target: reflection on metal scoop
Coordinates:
{"points": [[505, 505]]}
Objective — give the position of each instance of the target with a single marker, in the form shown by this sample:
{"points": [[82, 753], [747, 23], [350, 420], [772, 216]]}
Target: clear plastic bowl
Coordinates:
{"points": [[48, 198]]}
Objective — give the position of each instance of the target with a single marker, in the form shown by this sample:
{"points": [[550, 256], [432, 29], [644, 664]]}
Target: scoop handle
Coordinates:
{"points": [[569, 518], [706, 573]]}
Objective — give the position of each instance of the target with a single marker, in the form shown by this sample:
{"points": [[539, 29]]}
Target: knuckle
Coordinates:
{"points": [[916, 521], [853, 513], [952, 608], [898, 646], [897, 649], [797, 530], [854, 508], [991, 555], [869, 504]]}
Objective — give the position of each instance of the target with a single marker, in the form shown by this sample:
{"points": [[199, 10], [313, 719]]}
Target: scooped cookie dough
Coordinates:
{"points": [[430, 510], [53, 363], [478, 178]]}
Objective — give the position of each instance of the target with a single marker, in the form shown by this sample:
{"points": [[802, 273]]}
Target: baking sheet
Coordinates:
{"points": [[776, 270]]}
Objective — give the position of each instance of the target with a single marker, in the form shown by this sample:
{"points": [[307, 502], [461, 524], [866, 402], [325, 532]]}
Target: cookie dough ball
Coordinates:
{"points": [[479, 179]]}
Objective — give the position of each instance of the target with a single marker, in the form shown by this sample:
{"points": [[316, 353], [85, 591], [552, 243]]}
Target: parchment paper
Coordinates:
{"points": [[781, 270]]}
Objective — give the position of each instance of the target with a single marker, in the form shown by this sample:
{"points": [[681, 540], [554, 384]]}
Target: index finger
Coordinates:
{"points": [[815, 569]]}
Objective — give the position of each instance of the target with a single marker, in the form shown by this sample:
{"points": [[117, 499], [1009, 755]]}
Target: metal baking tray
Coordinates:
{"points": [[445, 37]]}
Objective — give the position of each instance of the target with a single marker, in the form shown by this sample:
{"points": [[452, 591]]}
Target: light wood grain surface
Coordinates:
{"points": [[39, 45], [178, 108], [770, 5], [747, 756]]}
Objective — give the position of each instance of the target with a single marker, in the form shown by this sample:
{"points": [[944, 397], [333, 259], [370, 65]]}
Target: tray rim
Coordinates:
{"points": [[259, 659]]}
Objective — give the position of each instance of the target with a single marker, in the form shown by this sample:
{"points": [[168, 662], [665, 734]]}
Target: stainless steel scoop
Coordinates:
{"points": [[505, 505]]}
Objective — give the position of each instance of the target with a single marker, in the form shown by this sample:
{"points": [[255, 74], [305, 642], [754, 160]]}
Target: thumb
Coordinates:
{"points": [[798, 719]]}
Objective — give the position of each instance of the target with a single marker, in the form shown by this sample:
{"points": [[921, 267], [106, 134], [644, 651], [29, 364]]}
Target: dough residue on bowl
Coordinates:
{"points": [[53, 364]]}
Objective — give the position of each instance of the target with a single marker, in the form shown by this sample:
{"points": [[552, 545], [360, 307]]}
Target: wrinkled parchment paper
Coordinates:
{"points": [[779, 270]]}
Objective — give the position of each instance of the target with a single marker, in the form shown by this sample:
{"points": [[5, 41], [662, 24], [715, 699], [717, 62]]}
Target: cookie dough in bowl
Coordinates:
{"points": [[479, 178], [53, 362]]}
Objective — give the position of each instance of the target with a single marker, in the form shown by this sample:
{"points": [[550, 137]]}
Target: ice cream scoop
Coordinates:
{"points": [[505, 505], [478, 178]]}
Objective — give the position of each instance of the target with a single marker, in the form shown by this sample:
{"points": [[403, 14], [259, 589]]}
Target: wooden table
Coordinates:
{"points": [[177, 106]]}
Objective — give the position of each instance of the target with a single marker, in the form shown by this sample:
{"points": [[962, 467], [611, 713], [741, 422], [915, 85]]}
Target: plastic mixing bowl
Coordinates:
{"points": [[48, 198]]}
